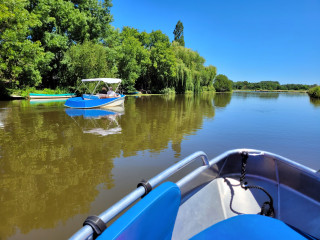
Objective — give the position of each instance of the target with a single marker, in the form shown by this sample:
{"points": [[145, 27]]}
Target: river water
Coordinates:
{"points": [[57, 165]]}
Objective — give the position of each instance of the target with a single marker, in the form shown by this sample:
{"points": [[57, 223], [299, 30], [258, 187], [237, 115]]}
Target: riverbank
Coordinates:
{"points": [[293, 91], [12, 94], [24, 94]]}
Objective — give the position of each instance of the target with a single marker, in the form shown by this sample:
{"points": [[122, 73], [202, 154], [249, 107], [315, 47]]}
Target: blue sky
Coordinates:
{"points": [[247, 40]]}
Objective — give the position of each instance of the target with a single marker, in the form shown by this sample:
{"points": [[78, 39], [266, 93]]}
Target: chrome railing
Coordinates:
{"points": [[86, 232]]}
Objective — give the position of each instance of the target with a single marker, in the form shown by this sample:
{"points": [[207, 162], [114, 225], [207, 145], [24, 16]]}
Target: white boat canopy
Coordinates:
{"points": [[105, 80]]}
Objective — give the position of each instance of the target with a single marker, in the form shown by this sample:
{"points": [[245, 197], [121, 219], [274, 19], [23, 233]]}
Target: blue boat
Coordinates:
{"points": [[241, 194], [96, 100]]}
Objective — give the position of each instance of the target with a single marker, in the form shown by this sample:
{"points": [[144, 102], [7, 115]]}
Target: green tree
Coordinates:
{"points": [[87, 60], [66, 23], [21, 59], [178, 33], [163, 66], [112, 43], [222, 83], [192, 75], [207, 76], [134, 62]]}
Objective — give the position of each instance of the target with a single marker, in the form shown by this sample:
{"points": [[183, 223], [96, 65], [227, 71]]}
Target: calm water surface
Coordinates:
{"points": [[58, 165]]}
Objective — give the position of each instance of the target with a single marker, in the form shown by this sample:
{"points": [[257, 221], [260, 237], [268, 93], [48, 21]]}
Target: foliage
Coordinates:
{"points": [[162, 70], [4, 93], [268, 85], [36, 33], [55, 43], [168, 91], [208, 89], [191, 72], [21, 60], [26, 91], [87, 60], [133, 62], [178, 33], [222, 83], [314, 92]]}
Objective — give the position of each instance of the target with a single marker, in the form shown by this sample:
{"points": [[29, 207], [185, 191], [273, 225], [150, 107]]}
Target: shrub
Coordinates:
{"points": [[222, 83], [168, 91], [314, 92]]}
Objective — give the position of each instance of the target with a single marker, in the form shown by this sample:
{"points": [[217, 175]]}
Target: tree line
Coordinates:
{"points": [[56, 43], [269, 85]]}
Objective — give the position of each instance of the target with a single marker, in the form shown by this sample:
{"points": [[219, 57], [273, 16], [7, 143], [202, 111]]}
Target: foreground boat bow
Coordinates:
{"points": [[243, 192]]}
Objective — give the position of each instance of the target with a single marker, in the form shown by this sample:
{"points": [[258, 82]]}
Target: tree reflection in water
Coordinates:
{"points": [[50, 168], [222, 99], [315, 101]]}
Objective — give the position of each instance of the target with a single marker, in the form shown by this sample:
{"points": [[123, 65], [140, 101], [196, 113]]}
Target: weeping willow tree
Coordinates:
{"points": [[191, 74], [183, 80]]}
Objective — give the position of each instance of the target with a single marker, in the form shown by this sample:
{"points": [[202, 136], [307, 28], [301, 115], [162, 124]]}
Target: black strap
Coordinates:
{"points": [[146, 185], [97, 225], [267, 208]]}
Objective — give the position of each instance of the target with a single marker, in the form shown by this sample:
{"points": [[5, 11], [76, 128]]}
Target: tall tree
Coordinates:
{"points": [[178, 33]]}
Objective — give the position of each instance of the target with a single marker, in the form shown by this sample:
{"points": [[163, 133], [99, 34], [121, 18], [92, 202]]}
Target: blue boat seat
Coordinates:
{"points": [[153, 217], [250, 227]]}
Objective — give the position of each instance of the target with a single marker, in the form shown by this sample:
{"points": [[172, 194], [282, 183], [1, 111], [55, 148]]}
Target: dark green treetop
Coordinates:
{"points": [[222, 83], [178, 33]]}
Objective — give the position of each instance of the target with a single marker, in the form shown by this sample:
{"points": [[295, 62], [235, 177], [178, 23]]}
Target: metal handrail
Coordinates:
{"points": [[86, 232]]}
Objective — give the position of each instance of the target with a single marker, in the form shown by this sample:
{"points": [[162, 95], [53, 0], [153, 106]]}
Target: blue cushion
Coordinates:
{"points": [[153, 217], [249, 227]]}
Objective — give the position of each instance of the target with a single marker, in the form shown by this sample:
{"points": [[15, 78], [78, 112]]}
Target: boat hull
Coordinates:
{"points": [[86, 103], [50, 96]]}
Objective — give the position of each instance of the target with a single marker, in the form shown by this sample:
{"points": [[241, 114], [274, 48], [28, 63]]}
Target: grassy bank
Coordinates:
{"points": [[24, 93]]}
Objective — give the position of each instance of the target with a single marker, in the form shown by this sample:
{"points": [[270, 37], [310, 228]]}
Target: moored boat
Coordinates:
{"points": [[241, 194], [33, 96], [96, 100]]}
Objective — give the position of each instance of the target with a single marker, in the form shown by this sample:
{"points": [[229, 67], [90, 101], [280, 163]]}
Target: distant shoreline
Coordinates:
{"points": [[276, 91]]}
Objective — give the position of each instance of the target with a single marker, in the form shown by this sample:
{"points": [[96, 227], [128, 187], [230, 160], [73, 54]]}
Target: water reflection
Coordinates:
{"points": [[222, 99], [3, 113], [97, 121], [52, 169], [46, 102], [51, 164], [315, 101], [251, 94]]}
